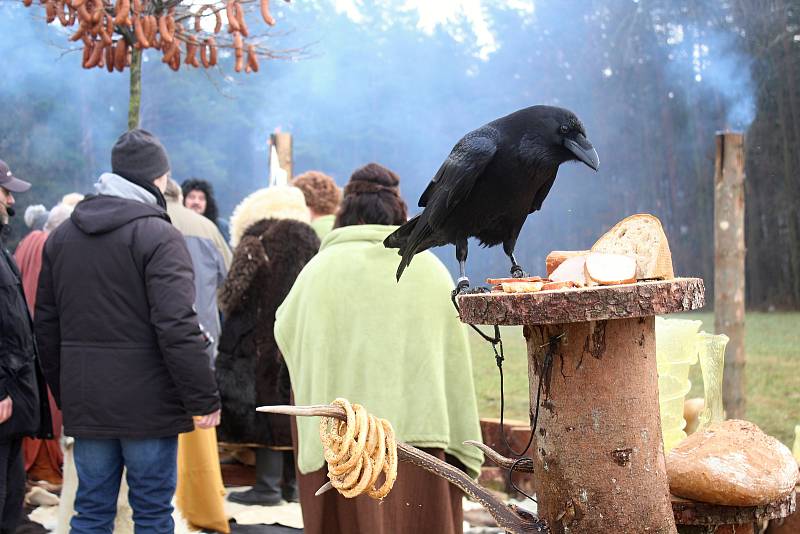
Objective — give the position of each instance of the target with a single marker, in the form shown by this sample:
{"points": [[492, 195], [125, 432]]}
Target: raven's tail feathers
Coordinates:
{"points": [[399, 237], [407, 239]]}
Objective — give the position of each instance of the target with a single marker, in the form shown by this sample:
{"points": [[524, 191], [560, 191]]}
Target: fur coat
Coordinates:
{"points": [[250, 369]]}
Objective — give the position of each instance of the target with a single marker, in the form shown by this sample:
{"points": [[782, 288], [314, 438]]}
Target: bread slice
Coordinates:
{"points": [[571, 270], [642, 237], [498, 281], [557, 257], [555, 286], [522, 287], [610, 269]]}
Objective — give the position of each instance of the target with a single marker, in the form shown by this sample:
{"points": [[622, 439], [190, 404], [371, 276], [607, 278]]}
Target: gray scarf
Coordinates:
{"points": [[116, 186]]}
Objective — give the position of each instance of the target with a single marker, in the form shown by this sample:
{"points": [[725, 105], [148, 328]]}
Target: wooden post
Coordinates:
{"points": [[598, 456], [729, 261], [283, 144]]}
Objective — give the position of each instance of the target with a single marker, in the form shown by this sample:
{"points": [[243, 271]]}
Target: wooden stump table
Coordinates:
{"points": [[695, 517], [598, 455]]}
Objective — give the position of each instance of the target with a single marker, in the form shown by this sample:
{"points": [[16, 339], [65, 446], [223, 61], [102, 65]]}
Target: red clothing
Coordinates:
{"points": [[40, 462], [29, 259]]}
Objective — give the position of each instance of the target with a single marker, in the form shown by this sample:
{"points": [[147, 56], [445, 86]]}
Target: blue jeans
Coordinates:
{"points": [[152, 476]]}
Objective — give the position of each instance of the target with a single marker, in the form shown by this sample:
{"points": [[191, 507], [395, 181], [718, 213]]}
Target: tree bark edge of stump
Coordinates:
{"points": [[642, 299]]}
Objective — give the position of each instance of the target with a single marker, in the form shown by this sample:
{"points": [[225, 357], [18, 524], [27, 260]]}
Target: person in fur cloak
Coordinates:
{"points": [[273, 243]]}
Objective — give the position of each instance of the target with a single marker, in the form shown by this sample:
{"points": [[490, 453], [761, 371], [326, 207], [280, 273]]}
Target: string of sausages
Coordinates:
{"points": [[358, 450], [143, 24]]}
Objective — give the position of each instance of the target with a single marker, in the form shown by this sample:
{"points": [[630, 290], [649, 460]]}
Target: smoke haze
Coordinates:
{"points": [[400, 83]]}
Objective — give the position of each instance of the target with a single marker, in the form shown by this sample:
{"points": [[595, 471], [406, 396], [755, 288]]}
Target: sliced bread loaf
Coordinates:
{"points": [[609, 269], [642, 237]]}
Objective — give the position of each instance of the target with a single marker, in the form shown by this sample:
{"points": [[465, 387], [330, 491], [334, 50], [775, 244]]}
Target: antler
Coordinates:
{"points": [[523, 465]]}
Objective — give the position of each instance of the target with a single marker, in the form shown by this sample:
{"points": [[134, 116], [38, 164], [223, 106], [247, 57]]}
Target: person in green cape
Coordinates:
{"points": [[348, 329]]}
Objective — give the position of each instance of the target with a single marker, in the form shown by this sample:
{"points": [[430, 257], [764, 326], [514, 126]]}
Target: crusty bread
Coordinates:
{"points": [[557, 257], [498, 281], [732, 463], [555, 286], [609, 269], [521, 287], [642, 237]]}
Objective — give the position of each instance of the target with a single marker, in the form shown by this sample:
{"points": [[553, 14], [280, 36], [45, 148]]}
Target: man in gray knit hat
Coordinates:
{"points": [[119, 340]]}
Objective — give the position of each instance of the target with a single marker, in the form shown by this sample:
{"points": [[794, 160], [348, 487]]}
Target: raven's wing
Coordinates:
{"points": [[452, 183], [541, 194], [459, 172]]}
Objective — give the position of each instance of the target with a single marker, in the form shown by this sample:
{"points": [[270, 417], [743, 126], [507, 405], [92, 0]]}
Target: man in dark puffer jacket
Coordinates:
{"points": [[119, 340]]}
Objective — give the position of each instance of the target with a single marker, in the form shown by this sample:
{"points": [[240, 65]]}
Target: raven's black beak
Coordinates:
{"points": [[583, 150]]}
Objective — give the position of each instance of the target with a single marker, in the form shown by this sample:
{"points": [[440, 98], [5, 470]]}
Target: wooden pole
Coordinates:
{"points": [[283, 144], [729, 261]]}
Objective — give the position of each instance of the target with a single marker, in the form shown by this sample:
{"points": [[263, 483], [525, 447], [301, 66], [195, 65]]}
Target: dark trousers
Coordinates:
{"points": [[152, 475], [275, 473], [12, 484]]}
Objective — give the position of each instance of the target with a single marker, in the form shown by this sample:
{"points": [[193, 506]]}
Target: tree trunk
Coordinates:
{"points": [[598, 455], [136, 89], [729, 256]]}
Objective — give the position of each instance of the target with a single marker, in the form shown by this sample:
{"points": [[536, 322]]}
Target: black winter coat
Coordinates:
{"points": [[118, 335], [20, 374], [250, 368]]}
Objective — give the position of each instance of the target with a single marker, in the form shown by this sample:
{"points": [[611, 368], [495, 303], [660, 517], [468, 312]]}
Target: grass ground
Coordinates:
{"points": [[772, 342]]}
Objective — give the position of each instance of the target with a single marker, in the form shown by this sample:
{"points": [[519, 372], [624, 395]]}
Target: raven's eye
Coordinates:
{"points": [[564, 129]]}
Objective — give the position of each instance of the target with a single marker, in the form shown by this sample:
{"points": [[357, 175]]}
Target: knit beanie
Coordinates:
{"points": [[139, 157]]}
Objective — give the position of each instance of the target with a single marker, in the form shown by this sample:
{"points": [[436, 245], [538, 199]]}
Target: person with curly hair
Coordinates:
{"points": [[323, 197]]}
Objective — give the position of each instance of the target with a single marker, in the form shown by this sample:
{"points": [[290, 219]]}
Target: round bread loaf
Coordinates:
{"points": [[732, 463]]}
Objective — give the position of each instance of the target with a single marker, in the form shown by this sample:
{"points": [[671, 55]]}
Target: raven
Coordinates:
{"points": [[493, 178]]}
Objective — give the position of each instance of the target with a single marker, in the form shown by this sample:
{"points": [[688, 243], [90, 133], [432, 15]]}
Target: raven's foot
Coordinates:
{"points": [[476, 290], [462, 286], [517, 272], [479, 290]]}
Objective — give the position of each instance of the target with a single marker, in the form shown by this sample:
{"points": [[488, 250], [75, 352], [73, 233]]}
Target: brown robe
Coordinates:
{"points": [[419, 503], [43, 457]]}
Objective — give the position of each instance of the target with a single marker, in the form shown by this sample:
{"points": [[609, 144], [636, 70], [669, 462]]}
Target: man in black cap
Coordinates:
{"points": [[24, 409], [120, 342], [9, 184]]}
